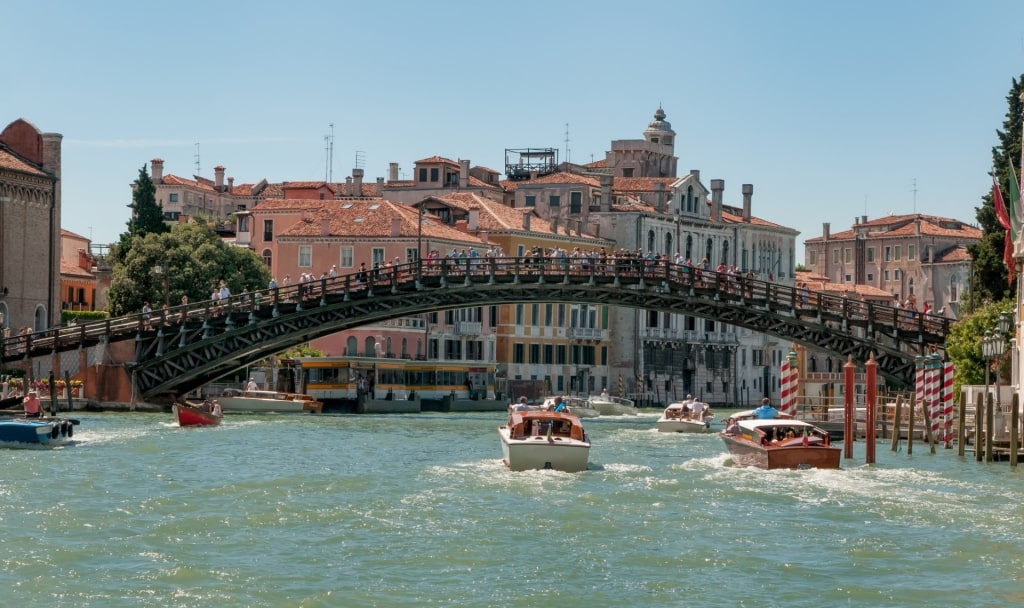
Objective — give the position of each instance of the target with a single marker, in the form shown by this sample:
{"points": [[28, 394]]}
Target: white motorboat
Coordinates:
{"points": [[239, 401], [577, 405], [544, 440], [685, 417], [613, 406]]}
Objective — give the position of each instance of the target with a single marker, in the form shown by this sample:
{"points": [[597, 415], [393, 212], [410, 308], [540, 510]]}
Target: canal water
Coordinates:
{"points": [[416, 510]]}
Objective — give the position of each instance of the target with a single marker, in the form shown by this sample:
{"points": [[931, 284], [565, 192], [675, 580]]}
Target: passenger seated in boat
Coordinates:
{"points": [[215, 408], [731, 427], [522, 406], [559, 405]]}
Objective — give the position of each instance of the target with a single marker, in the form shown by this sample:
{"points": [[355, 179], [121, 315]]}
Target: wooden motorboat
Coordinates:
{"points": [[190, 414], [36, 430], [613, 406], [544, 440], [685, 417], [234, 400], [780, 443], [9, 403]]}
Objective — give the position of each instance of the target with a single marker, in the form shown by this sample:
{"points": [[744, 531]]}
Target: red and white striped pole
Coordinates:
{"points": [[933, 368], [947, 401], [788, 390]]}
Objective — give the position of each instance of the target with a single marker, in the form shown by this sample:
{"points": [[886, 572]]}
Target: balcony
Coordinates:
{"points": [[468, 328], [585, 333]]}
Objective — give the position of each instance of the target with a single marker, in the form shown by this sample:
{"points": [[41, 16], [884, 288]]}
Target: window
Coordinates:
{"points": [[423, 175], [561, 354], [411, 254], [530, 201], [954, 288], [519, 314], [268, 257], [725, 252], [888, 254], [911, 252], [689, 199], [346, 259], [871, 277], [835, 256], [554, 200], [627, 172], [549, 354], [434, 174], [548, 314], [708, 251], [377, 256], [885, 276], [847, 255], [268, 230], [575, 202], [896, 252], [871, 255], [689, 246], [650, 240], [535, 353], [535, 315], [812, 257], [305, 256]]}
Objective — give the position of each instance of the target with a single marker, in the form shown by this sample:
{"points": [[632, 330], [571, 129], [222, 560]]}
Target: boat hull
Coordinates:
{"points": [[193, 416], [795, 455], [613, 406], [35, 430], [675, 425], [541, 453], [267, 401]]}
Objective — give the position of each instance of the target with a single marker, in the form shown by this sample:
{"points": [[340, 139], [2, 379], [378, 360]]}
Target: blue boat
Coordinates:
{"points": [[35, 430]]}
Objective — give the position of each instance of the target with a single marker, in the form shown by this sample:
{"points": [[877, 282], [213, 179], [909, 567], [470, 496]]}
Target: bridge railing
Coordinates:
{"points": [[750, 290]]}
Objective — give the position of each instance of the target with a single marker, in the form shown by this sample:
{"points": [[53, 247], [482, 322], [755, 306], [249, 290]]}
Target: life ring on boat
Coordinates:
{"points": [[55, 431]]}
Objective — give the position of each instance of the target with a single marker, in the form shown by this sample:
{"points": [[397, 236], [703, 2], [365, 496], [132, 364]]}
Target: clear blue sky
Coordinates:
{"points": [[831, 109]]}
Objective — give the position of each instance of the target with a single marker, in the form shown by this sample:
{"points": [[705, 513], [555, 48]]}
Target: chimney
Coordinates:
{"points": [[659, 197], [474, 218], [396, 225], [218, 178], [825, 230], [606, 192], [863, 219], [526, 220], [157, 170], [325, 227], [717, 186], [357, 177], [392, 172], [748, 191], [696, 174], [917, 226], [464, 175], [380, 187], [231, 184]]}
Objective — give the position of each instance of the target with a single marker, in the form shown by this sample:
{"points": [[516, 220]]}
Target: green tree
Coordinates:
{"points": [[194, 260], [989, 278], [963, 344], [147, 216]]}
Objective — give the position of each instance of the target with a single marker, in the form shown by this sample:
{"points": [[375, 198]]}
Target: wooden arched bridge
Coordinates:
{"points": [[183, 348]]}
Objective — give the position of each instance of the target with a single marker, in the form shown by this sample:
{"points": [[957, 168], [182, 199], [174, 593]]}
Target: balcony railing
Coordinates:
{"points": [[591, 333], [468, 328]]}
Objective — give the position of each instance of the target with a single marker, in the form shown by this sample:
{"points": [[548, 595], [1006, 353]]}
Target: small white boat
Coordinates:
{"points": [[577, 405], [239, 401], [544, 440], [613, 406], [685, 417]]}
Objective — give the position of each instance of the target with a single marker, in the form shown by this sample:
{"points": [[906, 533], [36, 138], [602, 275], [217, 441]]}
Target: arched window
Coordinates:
{"points": [[351, 346], [405, 348], [370, 349], [39, 322], [709, 251], [689, 246], [650, 240], [754, 260], [387, 346], [725, 253], [668, 242], [954, 288], [268, 257]]}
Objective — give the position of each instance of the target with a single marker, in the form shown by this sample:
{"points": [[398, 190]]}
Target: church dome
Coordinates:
{"points": [[659, 124]]}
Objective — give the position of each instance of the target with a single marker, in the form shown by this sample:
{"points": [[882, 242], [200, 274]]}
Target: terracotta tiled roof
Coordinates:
{"points": [[174, 180], [305, 184], [68, 233], [957, 253], [731, 215], [487, 169], [406, 183], [494, 216], [438, 159], [479, 183], [641, 184], [364, 218], [598, 164], [8, 160], [902, 226], [242, 189], [73, 271]]}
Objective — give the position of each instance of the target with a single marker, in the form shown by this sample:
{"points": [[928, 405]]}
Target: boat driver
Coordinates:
{"points": [[766, 411], [33, 409], [559, 404]]}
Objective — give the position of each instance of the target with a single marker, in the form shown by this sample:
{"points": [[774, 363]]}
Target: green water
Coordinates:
{"points": [[416, 510]]}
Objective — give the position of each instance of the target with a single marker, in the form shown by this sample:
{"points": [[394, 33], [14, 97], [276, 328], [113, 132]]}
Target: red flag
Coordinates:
{"points": [[1011, 266], [997, 199]]}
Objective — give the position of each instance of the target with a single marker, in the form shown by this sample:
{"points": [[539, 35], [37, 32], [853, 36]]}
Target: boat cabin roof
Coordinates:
{"points": [[755, 423]]}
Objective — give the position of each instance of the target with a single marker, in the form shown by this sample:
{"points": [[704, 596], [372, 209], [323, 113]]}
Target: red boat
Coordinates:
{"points": [[188, 414]]}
